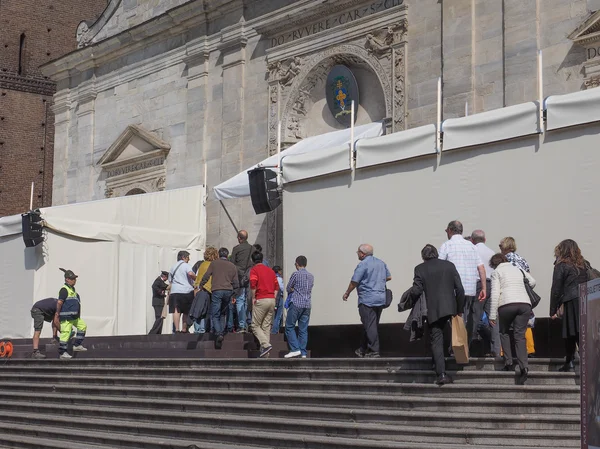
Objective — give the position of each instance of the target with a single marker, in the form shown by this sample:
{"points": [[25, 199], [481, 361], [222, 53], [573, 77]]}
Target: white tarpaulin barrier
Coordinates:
{"points": [[573, 109], [396, 147], [238, 187], [117, 247], [309, 165], [539, 191], [492, 126]]}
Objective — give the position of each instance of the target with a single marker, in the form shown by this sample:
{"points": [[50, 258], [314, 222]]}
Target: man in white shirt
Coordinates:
{"points": [[464, 255], [182, 279], [485, 254]]}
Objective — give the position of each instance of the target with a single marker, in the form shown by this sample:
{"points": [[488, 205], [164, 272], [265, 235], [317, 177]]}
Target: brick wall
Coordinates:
{"points": [[32, 32]]}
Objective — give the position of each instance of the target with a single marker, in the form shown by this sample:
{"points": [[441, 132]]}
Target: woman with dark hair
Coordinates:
{"points": [[512, 307], [569, 272]]}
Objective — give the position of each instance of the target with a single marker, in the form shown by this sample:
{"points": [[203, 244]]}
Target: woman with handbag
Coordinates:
{"points": [[511, 306], [569, 272]]}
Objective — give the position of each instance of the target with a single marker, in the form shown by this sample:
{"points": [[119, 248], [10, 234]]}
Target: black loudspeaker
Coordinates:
{"points": [[263, 190], [32, 228]]}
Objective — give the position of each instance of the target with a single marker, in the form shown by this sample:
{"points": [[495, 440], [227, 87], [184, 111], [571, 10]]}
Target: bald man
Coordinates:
{"points": [[369, 280], [241, 258]]}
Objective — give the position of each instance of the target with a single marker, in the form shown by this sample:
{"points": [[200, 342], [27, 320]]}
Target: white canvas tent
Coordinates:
{"points": [[238, 187], [116, 246]]}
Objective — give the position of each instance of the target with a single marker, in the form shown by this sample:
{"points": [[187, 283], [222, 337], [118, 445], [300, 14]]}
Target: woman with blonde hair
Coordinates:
{"points": [[569, 272], [210, 254], [508, 248]]}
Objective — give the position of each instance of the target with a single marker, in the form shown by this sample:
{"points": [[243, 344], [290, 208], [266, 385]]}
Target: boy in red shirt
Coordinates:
{"points": [[263, 287]]}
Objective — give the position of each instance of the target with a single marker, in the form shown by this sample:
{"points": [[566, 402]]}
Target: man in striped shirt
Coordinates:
{"points": [[464, 255], [299, 288]]}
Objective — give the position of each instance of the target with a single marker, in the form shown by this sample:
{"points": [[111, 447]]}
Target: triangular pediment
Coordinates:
{"points": [[588, 31], [135, 143]]}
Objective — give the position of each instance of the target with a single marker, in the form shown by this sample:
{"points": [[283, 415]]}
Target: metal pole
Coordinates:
{"points": [[541, 89], [438, 143], [279, 168], [31, 198], [352, 161]]}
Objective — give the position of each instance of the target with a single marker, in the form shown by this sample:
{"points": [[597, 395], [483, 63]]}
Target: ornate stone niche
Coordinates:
{"points": [[135, 163], [588, 36]]}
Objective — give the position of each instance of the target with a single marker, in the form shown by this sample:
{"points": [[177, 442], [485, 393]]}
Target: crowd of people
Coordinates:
{"points": [[238, 292]]}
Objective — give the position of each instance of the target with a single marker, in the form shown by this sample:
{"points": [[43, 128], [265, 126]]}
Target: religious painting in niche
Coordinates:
{"points": [[341, 90]]}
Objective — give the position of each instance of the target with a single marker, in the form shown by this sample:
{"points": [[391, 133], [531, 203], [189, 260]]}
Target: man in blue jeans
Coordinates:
{"points": [[301, 284], [224, 284]]}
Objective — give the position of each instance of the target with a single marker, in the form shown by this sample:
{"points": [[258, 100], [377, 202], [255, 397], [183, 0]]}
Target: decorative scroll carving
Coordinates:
{"points": [[84, 36], [399, 88], [380, 42], [287, 75], [294, 127], [161, 183], [592, 82], [273, 116]]}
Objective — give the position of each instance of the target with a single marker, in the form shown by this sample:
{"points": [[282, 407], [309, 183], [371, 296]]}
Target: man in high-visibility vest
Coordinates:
{"points": [[67, 316]]}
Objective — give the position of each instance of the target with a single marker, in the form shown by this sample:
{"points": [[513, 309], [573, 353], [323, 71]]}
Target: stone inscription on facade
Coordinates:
{"points": [[335, 20], [158, 161]]}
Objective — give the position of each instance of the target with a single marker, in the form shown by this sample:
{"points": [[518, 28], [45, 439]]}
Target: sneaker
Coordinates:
{"points": [[372, 355], [303, 357], [65, 356], [37, 354], [265, 351], [219, 342], [359, 353], [292, 354], [79, 348], [242, 330]]}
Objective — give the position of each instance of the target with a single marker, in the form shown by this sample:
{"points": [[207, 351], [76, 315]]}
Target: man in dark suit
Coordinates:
{"points": [[159, 291], [445, 297]]}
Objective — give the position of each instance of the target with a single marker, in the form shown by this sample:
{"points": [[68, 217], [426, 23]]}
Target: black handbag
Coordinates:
{"points": [[389, 297], [533, 296]]}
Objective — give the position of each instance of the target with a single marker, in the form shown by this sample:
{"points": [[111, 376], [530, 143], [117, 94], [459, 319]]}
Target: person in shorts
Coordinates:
{"points": [[182, 279], [43, 310]]}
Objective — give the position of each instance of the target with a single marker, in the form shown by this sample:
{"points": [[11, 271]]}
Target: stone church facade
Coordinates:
{"points": [[161, 92]]}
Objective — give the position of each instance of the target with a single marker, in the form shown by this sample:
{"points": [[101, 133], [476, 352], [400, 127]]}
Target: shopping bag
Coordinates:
{"points": [[460, 341]]}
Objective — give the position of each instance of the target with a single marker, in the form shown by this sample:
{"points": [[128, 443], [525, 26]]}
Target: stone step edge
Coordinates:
{"points": [[357, 361], [259, 418], [290, 371], [271, 396], [298, 384], [249, 433], [65, 437]]}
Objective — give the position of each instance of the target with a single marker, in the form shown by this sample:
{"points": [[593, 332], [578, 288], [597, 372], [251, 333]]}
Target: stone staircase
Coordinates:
{"points": [[276, 403]]}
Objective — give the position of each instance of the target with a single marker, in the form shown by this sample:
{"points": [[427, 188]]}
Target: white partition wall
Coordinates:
{"points": [[116, 246], [539, 190]]}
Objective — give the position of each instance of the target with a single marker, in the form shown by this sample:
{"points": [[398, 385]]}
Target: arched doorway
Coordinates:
{"points": [[135, 191]]}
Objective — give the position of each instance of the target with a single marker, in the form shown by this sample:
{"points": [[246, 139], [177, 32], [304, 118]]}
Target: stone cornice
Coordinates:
{"points": [[588, 31], [27, 84], [172, 22], [339, 34], [300, 13]]}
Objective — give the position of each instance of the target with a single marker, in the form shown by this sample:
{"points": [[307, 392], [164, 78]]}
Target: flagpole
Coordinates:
{"points": [[352, 161]]}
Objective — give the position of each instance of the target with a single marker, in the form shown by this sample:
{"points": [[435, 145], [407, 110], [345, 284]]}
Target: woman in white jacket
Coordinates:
{"points": [[511, 306]]}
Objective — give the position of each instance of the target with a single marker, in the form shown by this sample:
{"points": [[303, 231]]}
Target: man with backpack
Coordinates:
{"points": [[241, 258]]}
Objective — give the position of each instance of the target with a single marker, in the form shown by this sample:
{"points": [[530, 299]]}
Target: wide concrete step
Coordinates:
{"points": [[491, 389], [381, 375], [417, 363], [310, 433], [229, 414], [52, 438], [465, 398], [237, 402]]}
